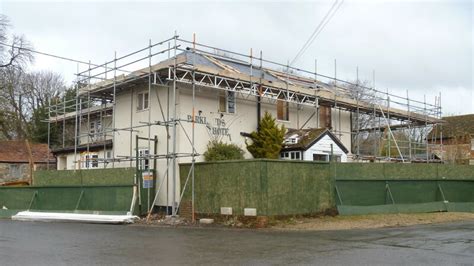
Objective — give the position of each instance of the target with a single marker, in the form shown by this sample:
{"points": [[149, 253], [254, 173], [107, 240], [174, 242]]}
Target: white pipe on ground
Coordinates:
{"points": [[74, 217]]}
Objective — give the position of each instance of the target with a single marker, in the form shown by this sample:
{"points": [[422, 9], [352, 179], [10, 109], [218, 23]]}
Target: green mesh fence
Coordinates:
{"points": [[98, 199], [276, 187], [92, 177], [397, 188], [272, 187]]}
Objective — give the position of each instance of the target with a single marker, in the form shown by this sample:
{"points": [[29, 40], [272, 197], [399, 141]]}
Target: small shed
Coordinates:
{"points": [[313, 144], [18, 158]]}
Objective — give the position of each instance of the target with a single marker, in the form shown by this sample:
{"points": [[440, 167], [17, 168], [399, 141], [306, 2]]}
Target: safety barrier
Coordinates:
{"points": [[369, 197], [88, 177], [403, 188], [277, 187], [112, 199], [272, 187]]}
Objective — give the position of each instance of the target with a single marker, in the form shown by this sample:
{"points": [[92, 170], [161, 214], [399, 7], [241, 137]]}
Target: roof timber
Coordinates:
{"points": [[135, 75]]}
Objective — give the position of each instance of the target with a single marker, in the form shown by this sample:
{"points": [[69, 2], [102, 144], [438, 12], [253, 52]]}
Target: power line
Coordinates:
{"points": [[47, 54], [329, 15], [319, 29], [314, 32]]}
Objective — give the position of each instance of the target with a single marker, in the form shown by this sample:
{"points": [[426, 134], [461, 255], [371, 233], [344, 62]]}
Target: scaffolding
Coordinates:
{"points": [[377, 116]]}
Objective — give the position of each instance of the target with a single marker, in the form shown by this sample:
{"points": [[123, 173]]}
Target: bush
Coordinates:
{"points": [[220, 151]]}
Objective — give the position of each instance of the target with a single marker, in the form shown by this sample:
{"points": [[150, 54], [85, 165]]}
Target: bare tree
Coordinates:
{"points": [[15, 50], [24, 99], [364, 139], [40, 87], [12, 115]]}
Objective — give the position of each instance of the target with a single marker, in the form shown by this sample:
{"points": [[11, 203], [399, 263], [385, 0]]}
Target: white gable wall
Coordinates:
{"points": [[323, 146]]}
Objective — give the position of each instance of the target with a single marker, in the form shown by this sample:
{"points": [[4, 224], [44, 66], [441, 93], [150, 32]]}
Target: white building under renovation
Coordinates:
{"points": [[169, 99]]}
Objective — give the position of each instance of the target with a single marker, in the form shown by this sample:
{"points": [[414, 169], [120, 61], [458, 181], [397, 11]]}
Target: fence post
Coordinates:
{"points": [[33, 199], [79, 200]]}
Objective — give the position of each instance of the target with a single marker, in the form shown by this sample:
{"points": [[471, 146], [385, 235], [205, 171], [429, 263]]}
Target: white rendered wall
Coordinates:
{"points": [[323, 146]]}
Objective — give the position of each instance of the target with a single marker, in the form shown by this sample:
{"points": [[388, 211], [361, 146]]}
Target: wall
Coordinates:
{"points": [[84, 128], [323, 146], [455, 153], [272, 187], [245, 118], [21, 171], [79, 161]]}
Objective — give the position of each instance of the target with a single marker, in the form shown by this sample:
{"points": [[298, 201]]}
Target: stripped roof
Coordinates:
{"points": [[240, 71]]}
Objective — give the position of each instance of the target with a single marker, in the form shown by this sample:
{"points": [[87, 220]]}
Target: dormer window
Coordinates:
{"points": [[292, 139]]}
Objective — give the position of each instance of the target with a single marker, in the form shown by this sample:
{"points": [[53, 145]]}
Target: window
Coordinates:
{"points": [[144, 162], [472, 144], [293, 139], [325, 119], [295, 155], [291, 155], [95, 128], [62, 162], [91, 160], [15, 170], [142, 101], [337, 158], [283, 110], [227, 102], [320, 157]]}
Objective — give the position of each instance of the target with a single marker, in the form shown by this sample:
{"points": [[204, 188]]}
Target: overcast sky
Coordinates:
{"points": [[425, 47]]}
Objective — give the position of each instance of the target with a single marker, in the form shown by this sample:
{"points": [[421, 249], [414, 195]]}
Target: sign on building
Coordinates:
{"points": [[147, 178]]}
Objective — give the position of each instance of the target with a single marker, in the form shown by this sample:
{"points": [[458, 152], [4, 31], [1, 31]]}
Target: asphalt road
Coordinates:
{"points": [[36, 243]]}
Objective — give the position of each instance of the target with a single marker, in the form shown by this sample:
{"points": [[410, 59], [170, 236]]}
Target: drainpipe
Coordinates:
{"points": [[259, 115], [259, 97]]}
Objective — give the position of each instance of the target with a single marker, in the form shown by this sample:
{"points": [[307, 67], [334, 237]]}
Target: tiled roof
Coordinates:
{"points": [[307, 137], [15, 151], [455, 126]]}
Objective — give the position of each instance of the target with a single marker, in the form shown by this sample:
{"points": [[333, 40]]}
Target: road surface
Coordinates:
{"points": [[37, 243]]}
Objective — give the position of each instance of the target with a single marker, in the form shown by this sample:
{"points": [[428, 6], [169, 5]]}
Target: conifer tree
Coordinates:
{"points": [[267, 141]]}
